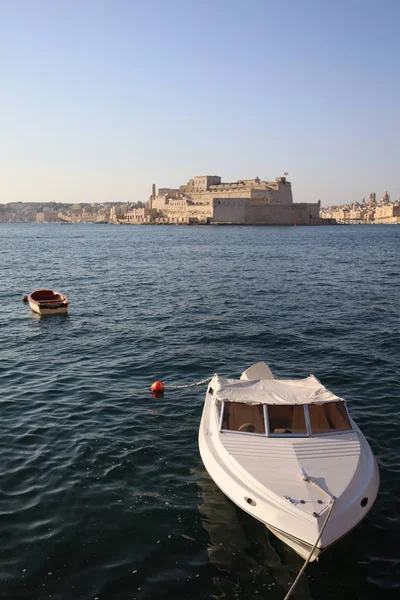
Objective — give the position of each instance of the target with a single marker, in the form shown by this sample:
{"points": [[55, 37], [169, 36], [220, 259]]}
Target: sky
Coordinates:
{"points": [[101, 98]]}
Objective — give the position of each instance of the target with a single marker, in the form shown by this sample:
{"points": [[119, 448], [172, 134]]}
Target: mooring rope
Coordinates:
{"points": [[332, 503], [178, 387]]}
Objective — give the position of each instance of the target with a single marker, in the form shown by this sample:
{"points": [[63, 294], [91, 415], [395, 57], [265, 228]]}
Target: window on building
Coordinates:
{"points": [[248, 418], [287, 419], [328, 417]]}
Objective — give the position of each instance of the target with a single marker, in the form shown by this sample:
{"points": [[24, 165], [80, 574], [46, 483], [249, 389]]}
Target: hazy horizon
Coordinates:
{"points": [[103, 98]]}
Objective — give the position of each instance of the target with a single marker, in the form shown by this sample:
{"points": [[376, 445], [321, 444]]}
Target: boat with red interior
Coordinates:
{"points": [[47, 302]]}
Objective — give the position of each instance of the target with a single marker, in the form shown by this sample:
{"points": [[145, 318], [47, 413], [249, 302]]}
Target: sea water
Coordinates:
{"points": [[102, 490]]}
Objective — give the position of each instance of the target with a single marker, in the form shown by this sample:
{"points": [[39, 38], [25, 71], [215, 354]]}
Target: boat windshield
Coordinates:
{"points": [[247, 418], [286, 419], [296, 420], [328, 417]]}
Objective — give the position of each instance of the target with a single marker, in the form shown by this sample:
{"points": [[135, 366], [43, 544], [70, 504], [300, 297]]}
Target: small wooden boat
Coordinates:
{"points": [[288, 453], [47, 302]]}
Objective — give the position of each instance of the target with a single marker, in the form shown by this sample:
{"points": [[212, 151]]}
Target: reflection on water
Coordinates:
{"points": [[56, 318], [252, 561]]}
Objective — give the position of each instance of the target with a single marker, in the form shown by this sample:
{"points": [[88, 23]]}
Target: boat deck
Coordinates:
{"points": [[275, 464]]}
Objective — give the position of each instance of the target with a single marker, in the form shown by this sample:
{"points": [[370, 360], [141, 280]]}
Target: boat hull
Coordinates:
{"points": [[301, 547], [43, 310], [237, 492]]}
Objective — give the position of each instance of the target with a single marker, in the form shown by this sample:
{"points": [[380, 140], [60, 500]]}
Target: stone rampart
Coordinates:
{"points": [[247, 213]]}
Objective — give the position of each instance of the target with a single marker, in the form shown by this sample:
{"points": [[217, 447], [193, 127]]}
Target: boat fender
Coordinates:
{"points": [[25, 299]]}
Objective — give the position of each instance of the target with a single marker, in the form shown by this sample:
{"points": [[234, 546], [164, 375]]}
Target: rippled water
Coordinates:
{"points": [[102, 490]]}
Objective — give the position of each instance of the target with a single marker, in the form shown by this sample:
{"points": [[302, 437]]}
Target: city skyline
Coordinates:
{"points": [[104, 98], [385, 197]]}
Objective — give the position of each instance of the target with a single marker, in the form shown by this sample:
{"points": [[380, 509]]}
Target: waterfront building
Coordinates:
{"points": [[390, 213], [136, 216], [356, 214], [46, 216], [371, 211], [206, 199]]}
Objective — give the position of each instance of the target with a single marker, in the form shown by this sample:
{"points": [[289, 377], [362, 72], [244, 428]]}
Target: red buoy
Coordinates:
{"points": [[157, 386]]}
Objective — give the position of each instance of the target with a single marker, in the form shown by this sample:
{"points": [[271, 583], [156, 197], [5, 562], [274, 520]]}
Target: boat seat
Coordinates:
{"points": [[248, 427], [282, 430]]}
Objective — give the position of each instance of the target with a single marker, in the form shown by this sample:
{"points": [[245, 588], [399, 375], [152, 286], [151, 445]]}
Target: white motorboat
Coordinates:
{"points": [[288, 453]]}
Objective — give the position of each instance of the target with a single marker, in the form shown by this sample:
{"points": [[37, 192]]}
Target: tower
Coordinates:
{"points": [[153, 196]]}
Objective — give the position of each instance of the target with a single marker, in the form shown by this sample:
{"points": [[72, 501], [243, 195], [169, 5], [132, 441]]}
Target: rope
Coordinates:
{"points": [[178, 387], [332, 503]]}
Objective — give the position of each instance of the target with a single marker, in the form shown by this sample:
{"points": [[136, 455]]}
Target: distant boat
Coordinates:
{"points": [[47, 302], [288, 453]]}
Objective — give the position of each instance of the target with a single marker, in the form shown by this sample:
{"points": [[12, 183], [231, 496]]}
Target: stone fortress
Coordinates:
{"points": [[207, 200]]}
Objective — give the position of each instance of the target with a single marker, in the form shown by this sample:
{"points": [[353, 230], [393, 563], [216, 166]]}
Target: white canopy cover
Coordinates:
{"points": [[272, 391]]}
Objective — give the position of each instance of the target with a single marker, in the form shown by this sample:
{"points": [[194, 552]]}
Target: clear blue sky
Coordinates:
{"points": [[101, 98]]}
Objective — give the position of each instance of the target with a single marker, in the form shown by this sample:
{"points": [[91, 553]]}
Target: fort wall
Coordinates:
{"points": [[246, 213]]}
